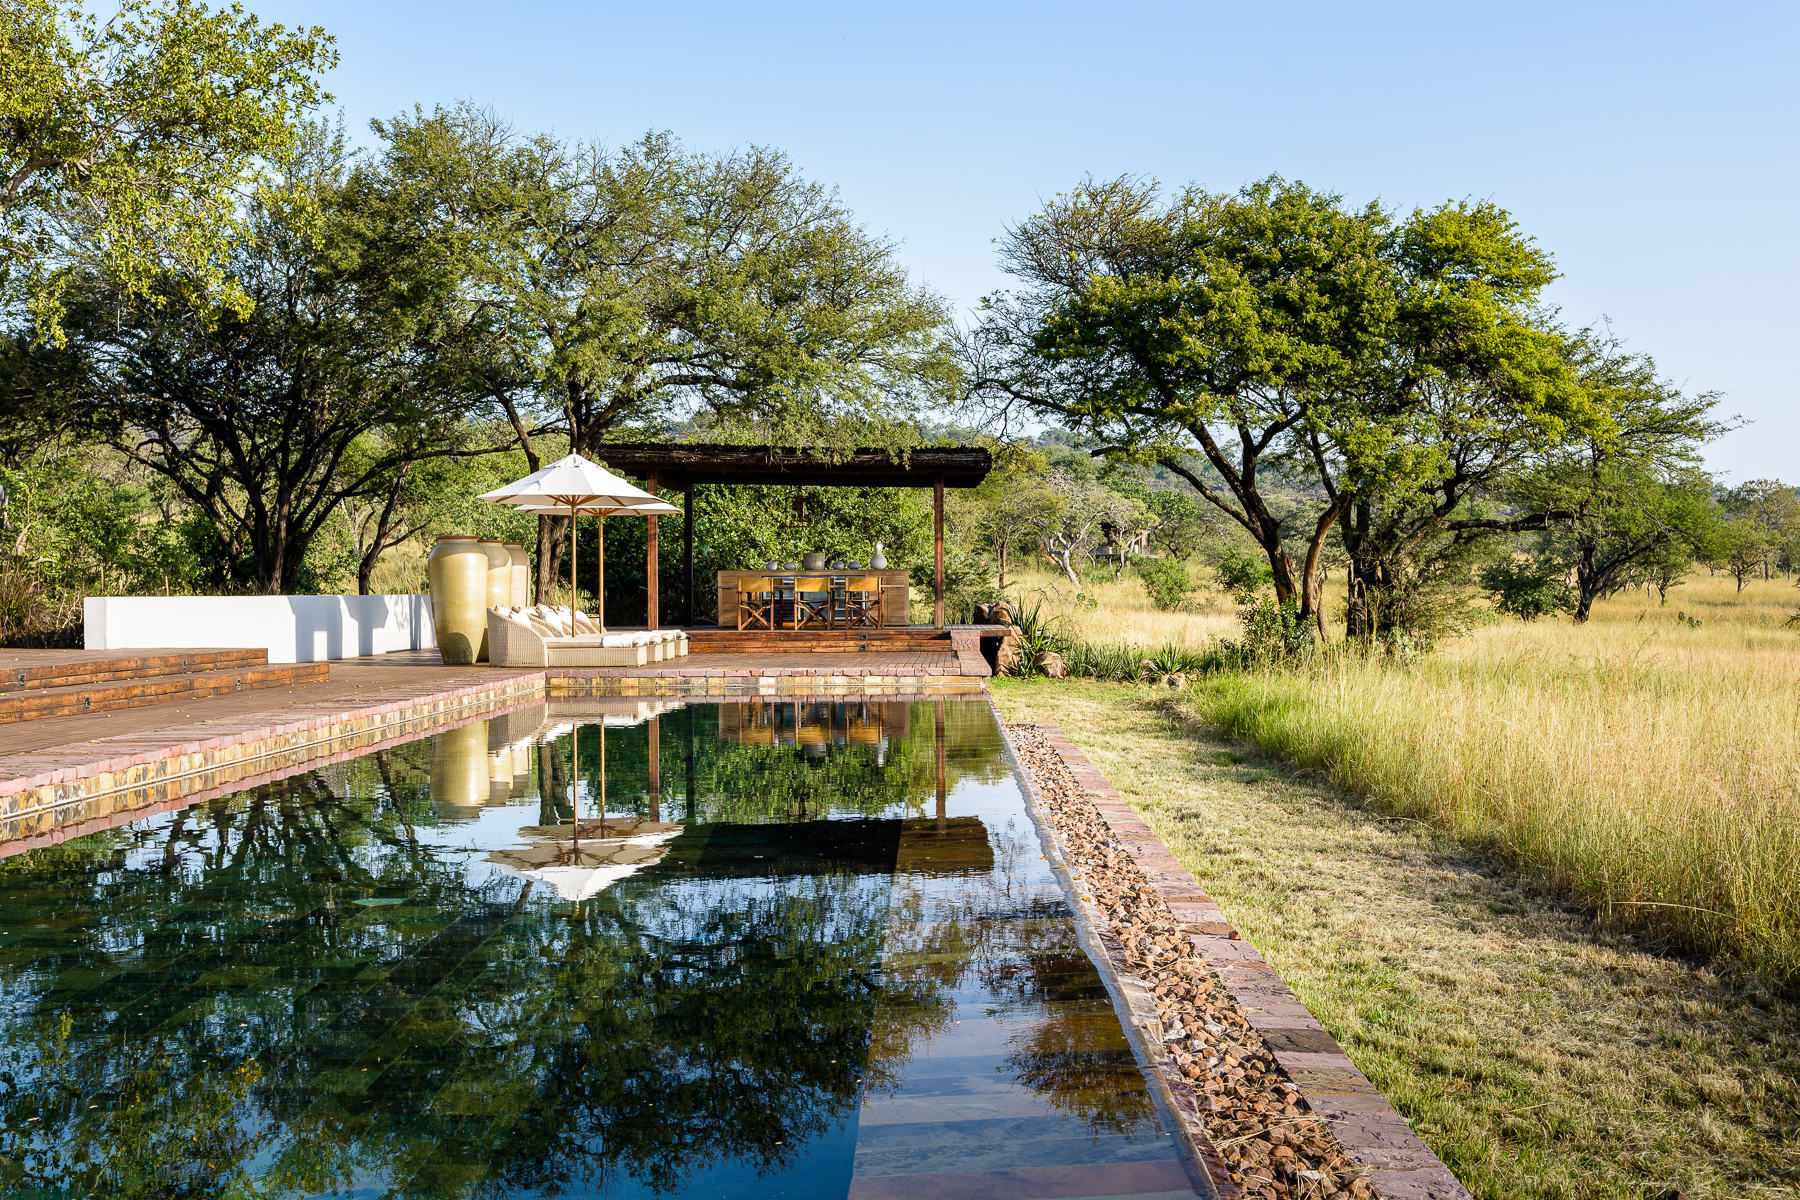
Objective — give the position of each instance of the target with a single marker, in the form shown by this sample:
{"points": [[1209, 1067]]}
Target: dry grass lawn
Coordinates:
{"points": [[1539, 1054]]}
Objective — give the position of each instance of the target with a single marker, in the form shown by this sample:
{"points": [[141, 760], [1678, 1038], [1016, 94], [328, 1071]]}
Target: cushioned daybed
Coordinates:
{"points": [[550, 637]]}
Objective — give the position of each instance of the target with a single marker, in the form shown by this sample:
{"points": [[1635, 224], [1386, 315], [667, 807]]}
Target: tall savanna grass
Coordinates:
{"points": [[1646, 766]]}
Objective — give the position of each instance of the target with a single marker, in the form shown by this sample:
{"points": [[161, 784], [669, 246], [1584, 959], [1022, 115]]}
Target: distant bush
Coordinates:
{"points": [[1527, 590], [1167, 582], [1243, 574]]}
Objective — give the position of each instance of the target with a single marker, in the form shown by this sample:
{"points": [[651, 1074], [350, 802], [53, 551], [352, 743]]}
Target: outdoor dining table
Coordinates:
{"points": [[896, 591]]}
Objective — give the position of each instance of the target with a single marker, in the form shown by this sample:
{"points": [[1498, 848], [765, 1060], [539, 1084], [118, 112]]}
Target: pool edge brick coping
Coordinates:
{"points": [[1372, 1133]]}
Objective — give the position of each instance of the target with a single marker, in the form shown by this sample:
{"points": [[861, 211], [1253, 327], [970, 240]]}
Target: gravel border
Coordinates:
{"points": [[1270, 1103]]}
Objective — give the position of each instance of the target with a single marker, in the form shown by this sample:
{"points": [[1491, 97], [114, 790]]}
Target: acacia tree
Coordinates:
{"points": [[1212, 322], [126, 144], [254, 418], [1771, 510], [1631, 492], [1279, 333], [645, 287]]}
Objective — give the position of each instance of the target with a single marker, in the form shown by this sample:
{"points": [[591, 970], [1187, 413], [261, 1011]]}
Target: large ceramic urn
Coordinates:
{"points": [[521, 575], [458, 570], [499, 588]]}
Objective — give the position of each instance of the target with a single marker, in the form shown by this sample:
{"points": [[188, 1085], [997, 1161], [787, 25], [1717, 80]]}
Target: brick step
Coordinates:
{"points": [[38, 703], [80, 672]]}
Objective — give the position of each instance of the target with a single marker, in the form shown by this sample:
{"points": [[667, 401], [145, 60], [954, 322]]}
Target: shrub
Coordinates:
{"points": [[1527, 590], [1166, 581], [1274, 636], [1242, 574]]}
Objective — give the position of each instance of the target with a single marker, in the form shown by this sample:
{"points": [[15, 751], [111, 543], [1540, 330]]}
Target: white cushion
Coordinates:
{"points": [[617, 639]]}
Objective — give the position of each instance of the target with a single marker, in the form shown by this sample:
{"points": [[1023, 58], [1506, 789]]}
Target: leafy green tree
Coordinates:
{"points": [[1242, 574], [1629, 492], [1771, 512], [1182, 526], [1277, 331], [648, 287], [258, 419], [126, 144], [1011, 508], [1074, 525], [1738, 546]]}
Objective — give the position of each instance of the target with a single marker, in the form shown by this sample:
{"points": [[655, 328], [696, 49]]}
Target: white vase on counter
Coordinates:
{"points": [[878, 560]]}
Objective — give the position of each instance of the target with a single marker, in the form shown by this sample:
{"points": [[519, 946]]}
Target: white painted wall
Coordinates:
{"points": [[290, 628]]}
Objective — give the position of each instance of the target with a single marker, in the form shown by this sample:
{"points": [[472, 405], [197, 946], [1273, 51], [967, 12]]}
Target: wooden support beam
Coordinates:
{"points": [[937, 538], [652, 601]]}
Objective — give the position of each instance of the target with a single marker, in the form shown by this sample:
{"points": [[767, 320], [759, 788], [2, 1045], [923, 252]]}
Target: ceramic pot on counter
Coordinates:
{"points": [[812, 562], [458, 569], [878, 560]]}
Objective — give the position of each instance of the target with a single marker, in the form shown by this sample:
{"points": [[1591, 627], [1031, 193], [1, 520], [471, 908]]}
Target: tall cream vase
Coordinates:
{"points": [[521, 575], [458, 569], [499, 587]]}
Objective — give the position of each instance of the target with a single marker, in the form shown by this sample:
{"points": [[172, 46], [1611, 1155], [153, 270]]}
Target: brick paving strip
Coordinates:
{"points": [[1271, 1103]]}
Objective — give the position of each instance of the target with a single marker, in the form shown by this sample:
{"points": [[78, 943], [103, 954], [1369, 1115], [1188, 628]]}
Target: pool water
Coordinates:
{"points": [[601, 948]]}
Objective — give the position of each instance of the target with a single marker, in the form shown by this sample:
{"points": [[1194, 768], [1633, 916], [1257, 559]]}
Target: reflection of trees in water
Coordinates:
{"points": [[225, 991], [800, 759]]}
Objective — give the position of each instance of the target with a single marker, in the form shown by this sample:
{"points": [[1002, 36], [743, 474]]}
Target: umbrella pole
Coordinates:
{"points": [[575, 788], [602, 770], [572, 576], [600, 579]]}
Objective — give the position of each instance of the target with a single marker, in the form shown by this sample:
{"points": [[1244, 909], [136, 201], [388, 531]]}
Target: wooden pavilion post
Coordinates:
{"points": [[652, 602], [655, 770], [687, 555], [937, 537]]}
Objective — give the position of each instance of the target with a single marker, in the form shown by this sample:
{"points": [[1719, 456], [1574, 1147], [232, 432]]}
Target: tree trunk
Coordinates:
{"points": [[552, 536]]}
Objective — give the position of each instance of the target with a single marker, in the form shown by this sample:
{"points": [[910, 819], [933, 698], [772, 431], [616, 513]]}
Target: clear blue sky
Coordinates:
{"points": [[1651, 148]]}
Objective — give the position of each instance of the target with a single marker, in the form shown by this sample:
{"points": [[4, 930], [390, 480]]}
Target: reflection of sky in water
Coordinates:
{"points": [[828, 984]]}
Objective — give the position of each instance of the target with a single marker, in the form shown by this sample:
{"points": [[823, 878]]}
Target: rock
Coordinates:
{"points": [[1051, 664], [1006, 661], [1177, 680]]}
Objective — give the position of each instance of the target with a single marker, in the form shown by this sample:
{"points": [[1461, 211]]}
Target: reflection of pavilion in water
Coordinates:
{"points": [[815, 727], [579, 854], [489, 763]]}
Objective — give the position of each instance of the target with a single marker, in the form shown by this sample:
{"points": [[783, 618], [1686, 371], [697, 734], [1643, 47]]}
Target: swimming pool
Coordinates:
{"points": [[601, 948]]}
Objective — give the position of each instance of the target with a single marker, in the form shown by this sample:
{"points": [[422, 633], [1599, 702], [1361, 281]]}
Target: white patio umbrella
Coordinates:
{"points": [[574, 485]]}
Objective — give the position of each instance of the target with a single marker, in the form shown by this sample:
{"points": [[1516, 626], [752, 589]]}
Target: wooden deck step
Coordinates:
{"points": [[80, 669], [30, 704]]}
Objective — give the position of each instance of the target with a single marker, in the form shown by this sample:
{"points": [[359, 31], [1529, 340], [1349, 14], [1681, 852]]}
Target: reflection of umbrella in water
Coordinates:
{"points": [[583, 858], [581, 861]]}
